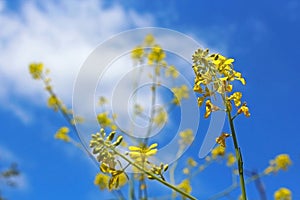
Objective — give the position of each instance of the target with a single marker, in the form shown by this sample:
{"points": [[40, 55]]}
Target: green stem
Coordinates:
{"points": [[173, 187], [238, 155]]}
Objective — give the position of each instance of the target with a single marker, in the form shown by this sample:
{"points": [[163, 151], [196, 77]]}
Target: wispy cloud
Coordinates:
{"points": [[60, 34]]}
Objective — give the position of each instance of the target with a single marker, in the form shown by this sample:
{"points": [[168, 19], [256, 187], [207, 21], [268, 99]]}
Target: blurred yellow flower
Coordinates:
{"points": [[191, 162], [283, 161], [137, 53], [186, 137], [149, 40], [105, 121], [217, 151], [230, 159], [101, 180], [180, 93], [161, 117], [185, 186], [283, 194], [36, 70], [172, 71], [62, 134], [53, 102], [156, 55]]}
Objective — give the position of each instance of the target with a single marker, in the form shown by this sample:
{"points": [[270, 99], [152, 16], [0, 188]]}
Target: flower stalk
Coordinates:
{"points": [[238, 154]]}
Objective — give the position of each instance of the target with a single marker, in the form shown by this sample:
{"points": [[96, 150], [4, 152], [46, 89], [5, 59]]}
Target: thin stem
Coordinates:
{"points": [[238, 155], [154, 176]]}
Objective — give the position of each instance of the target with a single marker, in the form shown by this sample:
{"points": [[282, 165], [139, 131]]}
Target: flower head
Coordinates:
{"points": [[101, 180], [230, 159], [172, 71], [186, 137], [105, 121], [210, 108], [244, 109], [180, 93], [36, 70], [156, 55], [185, 186], [141, 153], [62, 134], [283, 194], [137, 53], [281, 162], [217, 151]]}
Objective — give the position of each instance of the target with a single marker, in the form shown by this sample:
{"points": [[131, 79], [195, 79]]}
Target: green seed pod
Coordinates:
{"points": [[111, 136], [118, 141]]}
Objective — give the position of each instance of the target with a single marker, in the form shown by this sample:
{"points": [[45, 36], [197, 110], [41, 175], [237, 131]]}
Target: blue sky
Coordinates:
{"points": [[261, 36]]}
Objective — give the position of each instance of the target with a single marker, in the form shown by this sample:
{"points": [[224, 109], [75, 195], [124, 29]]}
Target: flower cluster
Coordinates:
{"points": [[140, 154], [62, 134], [281, 162], [283, 194], [36, 70], [103, 148], [215, 74]]}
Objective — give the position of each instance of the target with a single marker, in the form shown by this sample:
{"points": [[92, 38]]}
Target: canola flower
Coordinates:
{"points": [[185, 186], [214, 74], [283, 194], [281, 162], [172, 71], [36, 70], [180, 93], [141, 153], [105, 121], [62, 134]]}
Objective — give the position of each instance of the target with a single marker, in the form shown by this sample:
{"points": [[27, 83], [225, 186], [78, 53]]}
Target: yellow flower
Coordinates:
{"points": [[230, 159], [149, 40], [140, 154], [244, 109], [210, 108], [171, 71], [105, 121], [283, 161], [118, 179], [101, 180], [221, 139], [156, 55], [185, 186], [236, 97], [186, 136], [186, 170], [217, 151], [62, 134], [191, 162], [160, 118], [53, 102], [36, 70], [283, 194], [102, 101], [137, 53], [180, 93]]}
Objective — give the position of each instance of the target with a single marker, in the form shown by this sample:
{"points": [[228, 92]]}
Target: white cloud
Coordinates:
{"points": [[59, 34]]}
